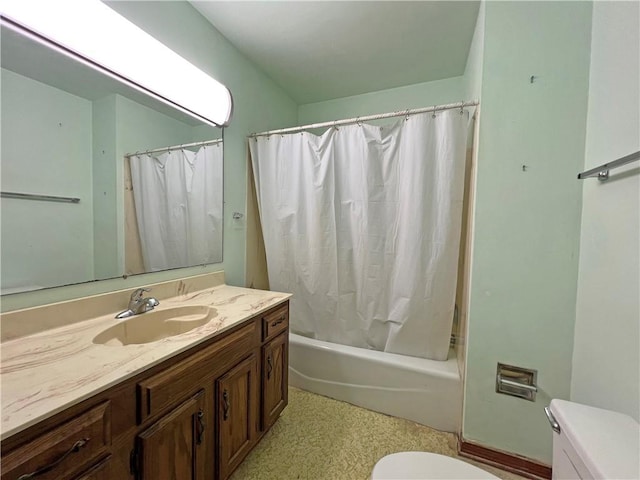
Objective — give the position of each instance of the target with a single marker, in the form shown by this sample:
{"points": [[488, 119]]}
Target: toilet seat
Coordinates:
{"points": [[426, 466]]}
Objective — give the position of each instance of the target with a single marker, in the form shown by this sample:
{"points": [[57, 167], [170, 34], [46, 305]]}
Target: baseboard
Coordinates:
{"points": [[506, 461]]}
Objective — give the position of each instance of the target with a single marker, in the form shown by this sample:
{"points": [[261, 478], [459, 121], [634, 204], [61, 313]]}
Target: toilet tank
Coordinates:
{"points": [[593, 443]]}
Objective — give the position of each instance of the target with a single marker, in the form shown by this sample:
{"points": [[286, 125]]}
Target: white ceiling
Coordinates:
{"points": [[319, 50]]}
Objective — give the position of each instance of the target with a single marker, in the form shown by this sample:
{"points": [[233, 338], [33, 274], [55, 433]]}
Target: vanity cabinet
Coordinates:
{"points": [[194, 416]]}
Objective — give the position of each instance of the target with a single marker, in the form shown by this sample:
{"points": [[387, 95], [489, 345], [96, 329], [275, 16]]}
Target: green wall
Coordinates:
{"points": [[259, 104], [527, 223], [606, 356], [412, 96]]}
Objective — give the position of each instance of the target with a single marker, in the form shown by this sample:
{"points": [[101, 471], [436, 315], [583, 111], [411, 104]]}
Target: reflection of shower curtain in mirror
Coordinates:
{"points": [[178, 200]]}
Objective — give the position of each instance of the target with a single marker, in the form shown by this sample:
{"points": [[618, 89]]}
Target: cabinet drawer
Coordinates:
{"points": [[169, 387], [63, 451], [275, 322], [99, 471]]}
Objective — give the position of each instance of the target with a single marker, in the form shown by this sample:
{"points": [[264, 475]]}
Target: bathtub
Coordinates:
{"points": [[425, 391]]}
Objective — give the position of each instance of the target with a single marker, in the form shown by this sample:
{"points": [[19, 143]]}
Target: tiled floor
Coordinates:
{"points": [[318, 438]]}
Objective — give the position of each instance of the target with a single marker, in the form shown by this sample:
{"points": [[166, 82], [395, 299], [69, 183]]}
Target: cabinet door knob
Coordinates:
{"points": [[225, 404], [74, 448], [201, 427], [269, 367]]}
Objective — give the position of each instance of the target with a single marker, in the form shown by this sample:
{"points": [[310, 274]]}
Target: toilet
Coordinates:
{"points": [[590, 442], [426, 466]]}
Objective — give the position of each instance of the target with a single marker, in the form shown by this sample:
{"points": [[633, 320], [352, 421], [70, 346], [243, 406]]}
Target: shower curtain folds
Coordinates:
{"points": [[178, 201], [362, 224]]}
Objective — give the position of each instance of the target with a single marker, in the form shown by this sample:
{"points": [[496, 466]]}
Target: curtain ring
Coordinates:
{"points": [[407, 115], [461, 107], [433, 113], [335, 124], [358, 121]]}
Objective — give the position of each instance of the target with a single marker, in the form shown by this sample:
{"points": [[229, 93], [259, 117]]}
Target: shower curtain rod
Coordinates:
{"points": [[400, 113], [177, 147]]}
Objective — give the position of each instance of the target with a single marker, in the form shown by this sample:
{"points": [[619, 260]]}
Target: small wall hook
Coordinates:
{"points": [[524, 168], [532, 79], [237, 215]]}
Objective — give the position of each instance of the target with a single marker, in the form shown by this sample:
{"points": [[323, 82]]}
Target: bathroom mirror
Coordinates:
{"points": [[68, 209]]}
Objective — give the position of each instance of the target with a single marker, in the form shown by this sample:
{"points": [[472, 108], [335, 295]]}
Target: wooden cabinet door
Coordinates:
{"points": [[275, 369], [237, 406], [172, 448]]}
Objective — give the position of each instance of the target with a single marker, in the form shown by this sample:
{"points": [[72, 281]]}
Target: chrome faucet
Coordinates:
{"points": [[138, 304]]}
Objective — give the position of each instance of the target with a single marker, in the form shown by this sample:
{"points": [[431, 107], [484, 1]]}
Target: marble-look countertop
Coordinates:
{"points": [[47, 372]]}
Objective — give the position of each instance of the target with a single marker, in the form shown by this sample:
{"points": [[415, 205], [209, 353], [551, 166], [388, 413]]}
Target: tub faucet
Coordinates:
{"points": [[138, 304]]}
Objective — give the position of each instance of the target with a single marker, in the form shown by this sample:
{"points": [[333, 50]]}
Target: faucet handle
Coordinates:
{"points": [[138, 293]]}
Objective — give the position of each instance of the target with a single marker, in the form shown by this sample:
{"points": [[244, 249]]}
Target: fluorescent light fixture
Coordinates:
{"points": [[107, 41]]}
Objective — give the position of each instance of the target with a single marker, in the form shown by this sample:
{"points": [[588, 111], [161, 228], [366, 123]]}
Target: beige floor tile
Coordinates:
{"points": [[318, 438]]}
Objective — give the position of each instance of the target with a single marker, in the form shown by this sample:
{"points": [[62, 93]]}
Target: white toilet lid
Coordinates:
{"points": [[426, 466]]}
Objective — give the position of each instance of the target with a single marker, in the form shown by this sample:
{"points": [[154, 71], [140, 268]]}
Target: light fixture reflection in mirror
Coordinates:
{"points": [[111, 43]]}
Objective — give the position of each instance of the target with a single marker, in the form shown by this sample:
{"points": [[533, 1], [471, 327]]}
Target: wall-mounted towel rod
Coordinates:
{"points": [[34, 196], [602, 172]]}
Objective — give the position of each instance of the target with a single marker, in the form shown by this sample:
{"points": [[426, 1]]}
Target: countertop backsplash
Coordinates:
{"points": [[28, 321]]}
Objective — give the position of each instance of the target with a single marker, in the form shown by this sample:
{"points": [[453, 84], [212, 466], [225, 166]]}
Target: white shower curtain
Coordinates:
{"points": [[362, 225], [178, 200]]}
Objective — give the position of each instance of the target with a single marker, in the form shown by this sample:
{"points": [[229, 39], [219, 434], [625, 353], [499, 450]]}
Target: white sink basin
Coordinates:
{"points": [[156, 325]]}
